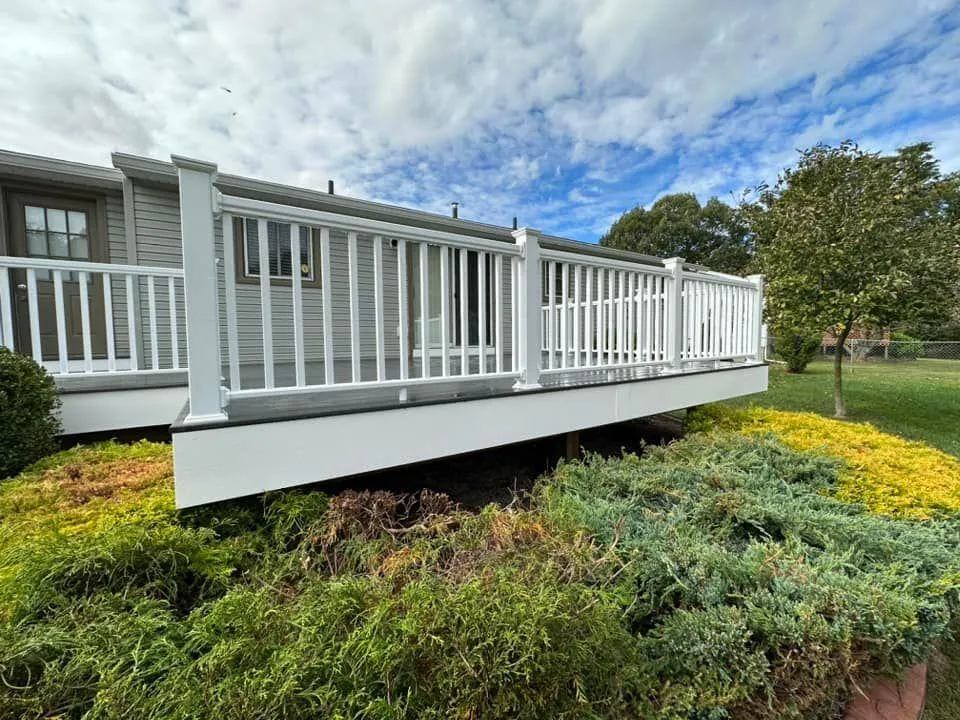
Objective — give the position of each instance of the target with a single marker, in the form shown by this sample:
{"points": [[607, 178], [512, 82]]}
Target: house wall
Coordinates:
{"points": [[117, 253]]}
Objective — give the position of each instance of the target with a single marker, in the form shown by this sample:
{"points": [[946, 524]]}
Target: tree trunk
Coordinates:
{"points": [[839, 408]]}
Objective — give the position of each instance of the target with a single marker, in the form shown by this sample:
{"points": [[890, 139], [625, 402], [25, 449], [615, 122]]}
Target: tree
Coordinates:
{"points": [[850, 238], [678, 226]]}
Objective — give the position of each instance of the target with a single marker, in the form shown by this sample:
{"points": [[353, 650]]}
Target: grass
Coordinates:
{"points": [[918, 400]]}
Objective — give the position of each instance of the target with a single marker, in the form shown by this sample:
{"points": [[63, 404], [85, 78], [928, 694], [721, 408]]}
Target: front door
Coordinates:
{"points": [[59, 228]]}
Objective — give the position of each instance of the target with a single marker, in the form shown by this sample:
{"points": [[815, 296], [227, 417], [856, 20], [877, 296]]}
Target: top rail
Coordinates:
{"points": [[597, 261], [717, 277], [247, 207], [26, 263]]}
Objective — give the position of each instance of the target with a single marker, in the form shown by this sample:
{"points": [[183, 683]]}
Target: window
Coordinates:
{"points": [[278, 250], [56, 232]]}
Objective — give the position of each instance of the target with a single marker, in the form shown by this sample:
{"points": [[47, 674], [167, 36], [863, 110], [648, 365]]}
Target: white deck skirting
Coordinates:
{"points": [[230, 461], [101, 411]]}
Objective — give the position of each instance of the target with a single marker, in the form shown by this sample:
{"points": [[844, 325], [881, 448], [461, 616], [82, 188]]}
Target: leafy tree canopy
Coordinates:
{"points": [[849, 237], [678, 226]]}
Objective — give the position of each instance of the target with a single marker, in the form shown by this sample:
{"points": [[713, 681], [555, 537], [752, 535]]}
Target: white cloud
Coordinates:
{"points": [[425, 101]]}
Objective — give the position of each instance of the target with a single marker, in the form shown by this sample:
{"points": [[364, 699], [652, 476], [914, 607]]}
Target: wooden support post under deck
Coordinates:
{"points": [[573, 445]]}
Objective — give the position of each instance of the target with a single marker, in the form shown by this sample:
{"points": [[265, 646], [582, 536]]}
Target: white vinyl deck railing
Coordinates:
{"points": [[386, 306], [80, 317], [427, 319], [611, 314], [602, 313]]}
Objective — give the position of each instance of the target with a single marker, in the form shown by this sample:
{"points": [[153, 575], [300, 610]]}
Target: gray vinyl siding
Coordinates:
{"points": [[116, 248], [157, 223]]}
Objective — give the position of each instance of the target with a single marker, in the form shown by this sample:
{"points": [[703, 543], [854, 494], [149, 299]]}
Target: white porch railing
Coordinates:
{"points": [[603, 313], [611, 314], [80, 317], [384, 314], [418, 343]]}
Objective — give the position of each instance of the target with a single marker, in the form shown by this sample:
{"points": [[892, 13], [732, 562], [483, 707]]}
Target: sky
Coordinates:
{"points": [[564, 113]]}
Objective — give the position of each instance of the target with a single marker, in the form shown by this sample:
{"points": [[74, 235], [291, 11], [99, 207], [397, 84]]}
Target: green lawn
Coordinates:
{"points": [[919, 400]]}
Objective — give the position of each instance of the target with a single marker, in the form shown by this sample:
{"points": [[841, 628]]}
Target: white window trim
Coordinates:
{"points": [[310, 277]]}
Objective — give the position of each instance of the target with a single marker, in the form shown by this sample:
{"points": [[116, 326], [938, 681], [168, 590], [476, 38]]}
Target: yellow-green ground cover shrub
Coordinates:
{"points": [[716, 578], [890, 475]]}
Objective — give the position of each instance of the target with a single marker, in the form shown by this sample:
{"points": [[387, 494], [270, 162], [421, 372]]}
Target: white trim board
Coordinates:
{"points": [[87, 412], [234, 461]]}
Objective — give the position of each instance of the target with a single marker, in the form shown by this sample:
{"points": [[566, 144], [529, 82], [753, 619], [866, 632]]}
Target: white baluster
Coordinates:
{"points": [[588, 319], [354, 307], [551, 313], [152, 308], [61, 322], [611, 317], [85, 322], [424, 311], [327, 311], [132, 340], [378, 319], [621, 317], [482, 309], [266, 304], [514, 313], [576, 316], [564, 326], [230, 298], [464, 316], [6, 310], [403, 304], [498, 311], [296, 291], [108, 319], [174, 330], [631, 317], [445, 311]]}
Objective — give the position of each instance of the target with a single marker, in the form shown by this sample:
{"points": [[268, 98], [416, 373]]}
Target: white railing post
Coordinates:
{"points": [[760, 329], [529, 295], [200, 288], [675, 312], [6, 311]]}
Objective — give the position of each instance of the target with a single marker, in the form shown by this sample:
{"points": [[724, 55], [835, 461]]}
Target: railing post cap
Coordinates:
{"points": [[673, 262], [524, 232], [185, 163]]}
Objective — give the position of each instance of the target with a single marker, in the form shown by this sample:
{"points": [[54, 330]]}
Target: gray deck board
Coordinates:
{"points": [[345, 399]]}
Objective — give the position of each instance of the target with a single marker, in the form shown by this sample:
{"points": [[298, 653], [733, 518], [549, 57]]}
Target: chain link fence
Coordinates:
{"points": [[880, 351]]}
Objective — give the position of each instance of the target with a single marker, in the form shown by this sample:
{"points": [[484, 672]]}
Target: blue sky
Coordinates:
{"points": [[564, 113]]}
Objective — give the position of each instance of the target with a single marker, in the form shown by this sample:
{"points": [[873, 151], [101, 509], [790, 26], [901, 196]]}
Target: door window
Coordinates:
{"points": [[54, 232]]}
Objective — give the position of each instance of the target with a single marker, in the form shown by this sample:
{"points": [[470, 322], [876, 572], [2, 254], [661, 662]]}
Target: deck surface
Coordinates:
{"points": [[324, 401], [343, 398]]}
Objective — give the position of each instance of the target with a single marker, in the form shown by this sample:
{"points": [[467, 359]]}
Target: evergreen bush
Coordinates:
{"points": [[904, 347], [796, 348], [713, 578], [28, 421]]}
